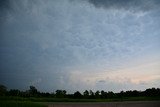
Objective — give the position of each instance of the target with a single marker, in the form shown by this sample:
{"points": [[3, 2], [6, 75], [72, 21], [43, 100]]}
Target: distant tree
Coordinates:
{"points": [[110, 94], [91, 93], [158, 92], [103, 94], [14, 92], [151, 92], [64, 92], [121, 95], [52, 94], [3, 90], [97, 94], [61, 93], [70, 95], [58, 93], [86, 94], [47, 94], [77, 94], [33, 91], [135, 93], [128, 93]]}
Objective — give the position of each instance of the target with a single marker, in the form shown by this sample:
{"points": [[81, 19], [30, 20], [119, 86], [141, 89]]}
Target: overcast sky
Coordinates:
{"points": [[109, 45]]}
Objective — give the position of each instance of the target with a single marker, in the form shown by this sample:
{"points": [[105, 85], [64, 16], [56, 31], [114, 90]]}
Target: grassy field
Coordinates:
{"points": [[80, 104], [45, 99], [11, 101], [21, 104]]}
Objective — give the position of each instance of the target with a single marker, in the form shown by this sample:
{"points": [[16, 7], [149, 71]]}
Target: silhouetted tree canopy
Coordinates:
{"points": [[33, 92], [61, 93], [3, 90], [14, 92], [86, 94], [97, 94], [77, 94]]}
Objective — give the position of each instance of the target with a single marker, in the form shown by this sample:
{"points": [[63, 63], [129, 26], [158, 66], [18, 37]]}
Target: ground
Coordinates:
{"points": [[109, 104]]}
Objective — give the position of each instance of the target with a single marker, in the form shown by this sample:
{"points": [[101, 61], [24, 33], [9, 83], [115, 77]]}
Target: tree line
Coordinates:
{"points": [[87, 94]]}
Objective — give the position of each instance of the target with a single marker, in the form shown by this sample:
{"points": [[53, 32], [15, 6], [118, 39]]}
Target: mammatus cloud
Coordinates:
{"points": [[130, 5], [73, 44]]}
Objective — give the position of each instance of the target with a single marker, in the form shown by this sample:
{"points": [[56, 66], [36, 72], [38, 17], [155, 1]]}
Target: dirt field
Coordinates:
{"points": [[110, 104]]}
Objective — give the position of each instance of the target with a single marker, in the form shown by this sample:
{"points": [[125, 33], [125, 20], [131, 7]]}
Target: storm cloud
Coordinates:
{"points": [[73, 44], [130, 5]]}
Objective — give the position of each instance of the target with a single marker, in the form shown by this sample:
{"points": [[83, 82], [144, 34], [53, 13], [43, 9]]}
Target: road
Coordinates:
{"points": [[109, 104]]}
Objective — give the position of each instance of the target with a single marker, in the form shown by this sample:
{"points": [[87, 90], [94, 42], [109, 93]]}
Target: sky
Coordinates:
{"points": [[75, 45]]}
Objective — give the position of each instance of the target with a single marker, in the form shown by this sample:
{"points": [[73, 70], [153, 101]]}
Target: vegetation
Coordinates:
{"points": [[33, 95], [20, 104]]}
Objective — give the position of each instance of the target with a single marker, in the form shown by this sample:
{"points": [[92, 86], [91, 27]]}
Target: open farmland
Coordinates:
{"points": [[21, 104], [109, 104]]}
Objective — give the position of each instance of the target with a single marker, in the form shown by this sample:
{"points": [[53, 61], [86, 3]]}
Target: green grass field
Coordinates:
{"points": [[45, 99], [21, 104], [11, 101]]}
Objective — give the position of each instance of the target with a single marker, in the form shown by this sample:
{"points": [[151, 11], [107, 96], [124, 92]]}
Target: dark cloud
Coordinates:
{"points": [[4, 7], [53, 44], [4, 4], [132, 5]]}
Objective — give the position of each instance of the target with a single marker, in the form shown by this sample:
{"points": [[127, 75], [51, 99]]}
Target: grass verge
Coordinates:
{"points": [[20, 104]]}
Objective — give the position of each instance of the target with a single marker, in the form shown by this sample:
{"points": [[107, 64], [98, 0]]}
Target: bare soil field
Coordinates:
{"points": [[109, 104]]}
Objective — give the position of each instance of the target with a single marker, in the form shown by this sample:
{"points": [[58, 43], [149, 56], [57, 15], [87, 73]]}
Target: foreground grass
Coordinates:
{"points": [[20, 104], [11, 101], [49, 99]]}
